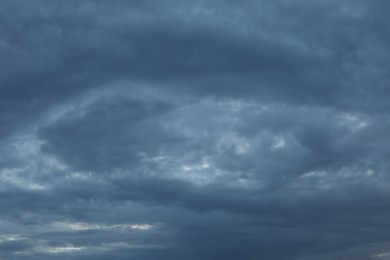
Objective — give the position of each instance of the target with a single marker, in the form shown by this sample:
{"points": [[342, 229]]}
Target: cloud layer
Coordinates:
{"points": [[194, 130]]}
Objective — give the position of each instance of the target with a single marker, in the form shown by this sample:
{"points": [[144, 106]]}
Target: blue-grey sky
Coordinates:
{"points": [[196, 129]]}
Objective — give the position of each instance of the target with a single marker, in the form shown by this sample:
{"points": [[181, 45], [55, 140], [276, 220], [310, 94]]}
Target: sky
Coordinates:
{"points": [[197, 129]]}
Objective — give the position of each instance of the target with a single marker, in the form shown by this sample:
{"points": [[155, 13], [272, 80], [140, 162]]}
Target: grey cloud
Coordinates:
{"points": [[114, 133], [194, 130]]}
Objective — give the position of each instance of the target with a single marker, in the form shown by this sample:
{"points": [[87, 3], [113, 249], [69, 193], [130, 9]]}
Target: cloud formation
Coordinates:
{"points": [[194, 130]]}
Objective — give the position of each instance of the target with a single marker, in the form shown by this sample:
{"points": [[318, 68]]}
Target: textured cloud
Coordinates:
{"points": [[194, 130]]}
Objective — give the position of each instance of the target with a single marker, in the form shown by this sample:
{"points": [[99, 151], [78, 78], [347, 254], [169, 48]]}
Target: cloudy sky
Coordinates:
{"points": [[196, 129]]}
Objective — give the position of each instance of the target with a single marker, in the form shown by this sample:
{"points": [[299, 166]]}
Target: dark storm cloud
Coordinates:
{"points": [[194, 130], [56, 53], [128, 130]]}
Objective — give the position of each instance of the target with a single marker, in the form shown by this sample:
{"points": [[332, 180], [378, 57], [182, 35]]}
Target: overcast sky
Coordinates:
{"points": [[195, 129]]}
